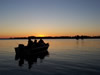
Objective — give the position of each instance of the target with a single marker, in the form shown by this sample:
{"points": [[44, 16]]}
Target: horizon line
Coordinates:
{"points": [[79, 36]]}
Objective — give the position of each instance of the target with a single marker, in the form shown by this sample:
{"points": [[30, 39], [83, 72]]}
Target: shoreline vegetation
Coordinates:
{"points": [[77, 37]]}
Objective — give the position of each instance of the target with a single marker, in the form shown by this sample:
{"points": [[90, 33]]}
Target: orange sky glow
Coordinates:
{"points": [[23, 18]]}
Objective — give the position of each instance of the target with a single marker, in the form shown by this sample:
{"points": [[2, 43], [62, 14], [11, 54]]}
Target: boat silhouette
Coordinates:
{"points": [[21, 49], [31, 53]]}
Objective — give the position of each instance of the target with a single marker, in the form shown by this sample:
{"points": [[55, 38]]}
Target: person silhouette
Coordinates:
{"points": [[30, 42], [35, 41], [41, 42]]}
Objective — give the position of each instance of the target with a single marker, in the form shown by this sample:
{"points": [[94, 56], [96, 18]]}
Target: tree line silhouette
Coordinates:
{"points": [[60, 37], [57, 37]]}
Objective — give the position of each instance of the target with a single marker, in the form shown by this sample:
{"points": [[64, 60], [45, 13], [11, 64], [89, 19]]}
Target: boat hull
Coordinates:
{"points": [[29, 51]]}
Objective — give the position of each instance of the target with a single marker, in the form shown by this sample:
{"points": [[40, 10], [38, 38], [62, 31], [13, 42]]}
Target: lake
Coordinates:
{"points": [[65, 57]]}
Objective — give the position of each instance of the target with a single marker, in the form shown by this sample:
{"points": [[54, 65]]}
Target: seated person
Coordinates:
{"points": [[30, 42], [41, 42], [35, 41]]}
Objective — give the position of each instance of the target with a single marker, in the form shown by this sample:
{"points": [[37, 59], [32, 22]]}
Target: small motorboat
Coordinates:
{"points": [[21, 49], [31, 54]]}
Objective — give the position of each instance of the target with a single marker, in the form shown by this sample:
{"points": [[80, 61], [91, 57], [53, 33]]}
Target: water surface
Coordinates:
{"points": [[66, 57]]}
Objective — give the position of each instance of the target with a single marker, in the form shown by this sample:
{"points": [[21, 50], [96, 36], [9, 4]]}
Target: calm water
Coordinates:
{"points": [[66, 57]]}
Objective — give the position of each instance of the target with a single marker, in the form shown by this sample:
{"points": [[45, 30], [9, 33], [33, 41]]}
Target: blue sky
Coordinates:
{"points": [[49, 17]]}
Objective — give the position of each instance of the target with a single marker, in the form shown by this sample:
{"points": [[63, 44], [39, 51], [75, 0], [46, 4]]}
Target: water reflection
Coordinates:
{"points": [[66, 58], [31, 58]]}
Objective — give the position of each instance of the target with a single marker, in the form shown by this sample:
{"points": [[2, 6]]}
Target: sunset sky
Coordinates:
{"points": [[49, 17]]}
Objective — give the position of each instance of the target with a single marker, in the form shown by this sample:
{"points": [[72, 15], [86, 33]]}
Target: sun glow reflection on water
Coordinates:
{"points": [[78, 57]]}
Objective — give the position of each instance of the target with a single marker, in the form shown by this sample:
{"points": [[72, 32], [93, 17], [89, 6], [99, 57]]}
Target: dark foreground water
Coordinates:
{"points": [[64, 57]]}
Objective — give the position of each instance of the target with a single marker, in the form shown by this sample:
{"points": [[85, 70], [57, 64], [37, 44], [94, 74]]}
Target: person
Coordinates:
{"points": [[41, 42], [35, 41], [30, 42]]}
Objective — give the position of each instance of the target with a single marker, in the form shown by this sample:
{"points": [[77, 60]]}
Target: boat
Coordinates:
{"points": [[30, 55], [21, 49]]}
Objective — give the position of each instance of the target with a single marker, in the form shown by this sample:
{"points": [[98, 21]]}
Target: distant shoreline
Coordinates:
{"points": [[60, 37]]}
